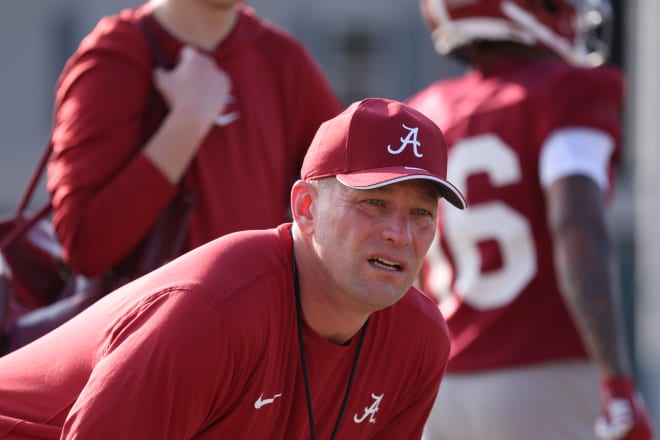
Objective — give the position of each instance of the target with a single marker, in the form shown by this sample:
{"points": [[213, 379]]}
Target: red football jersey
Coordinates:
{"points": [[491, 267]]}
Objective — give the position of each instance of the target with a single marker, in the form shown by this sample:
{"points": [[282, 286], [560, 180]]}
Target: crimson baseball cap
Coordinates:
{"points": [[377, 142]]}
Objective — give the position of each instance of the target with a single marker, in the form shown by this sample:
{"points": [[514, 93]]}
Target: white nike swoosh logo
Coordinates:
{"points": [[226, 119], [260, 402]]}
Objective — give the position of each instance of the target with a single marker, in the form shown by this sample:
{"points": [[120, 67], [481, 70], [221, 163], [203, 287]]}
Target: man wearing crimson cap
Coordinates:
{"points": [[308, 330]]}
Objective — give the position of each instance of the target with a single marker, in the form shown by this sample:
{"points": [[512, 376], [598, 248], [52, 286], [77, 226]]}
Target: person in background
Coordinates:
{"points": [[526, 276], [243, 100], [194, 96], [311, 329]]}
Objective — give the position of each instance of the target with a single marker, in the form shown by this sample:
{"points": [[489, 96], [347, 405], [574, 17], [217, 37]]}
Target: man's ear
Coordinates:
{"points": [[302, 198]]}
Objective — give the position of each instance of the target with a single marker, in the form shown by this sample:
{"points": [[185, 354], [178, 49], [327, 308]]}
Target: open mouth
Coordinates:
{"points": [[386, 264]]}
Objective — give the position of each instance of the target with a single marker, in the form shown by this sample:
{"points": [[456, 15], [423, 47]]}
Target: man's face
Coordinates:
{"points": [[372, 243]]}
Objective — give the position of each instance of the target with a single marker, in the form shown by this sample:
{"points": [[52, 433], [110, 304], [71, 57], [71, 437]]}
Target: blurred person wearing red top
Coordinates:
{"points": [[307, 330], [242, 100], [525, 276]]}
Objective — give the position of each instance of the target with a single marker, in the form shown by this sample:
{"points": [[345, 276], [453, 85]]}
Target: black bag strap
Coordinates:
{"points": [[23, 222], [154, 49], [37, 173]]}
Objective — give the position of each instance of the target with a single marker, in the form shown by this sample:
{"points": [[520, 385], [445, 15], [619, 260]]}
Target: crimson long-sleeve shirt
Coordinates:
{"points": [[206, 347], [106, 196]]}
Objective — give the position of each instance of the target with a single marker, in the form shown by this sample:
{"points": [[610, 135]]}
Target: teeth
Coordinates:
{"points": [[390, 265]]}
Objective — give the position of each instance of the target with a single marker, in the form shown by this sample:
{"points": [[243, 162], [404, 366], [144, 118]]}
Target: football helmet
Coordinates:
{"points": [[579, 31]]}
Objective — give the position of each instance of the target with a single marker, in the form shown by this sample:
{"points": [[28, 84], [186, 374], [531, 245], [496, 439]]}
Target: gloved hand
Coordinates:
{"points": [[624, 415]]}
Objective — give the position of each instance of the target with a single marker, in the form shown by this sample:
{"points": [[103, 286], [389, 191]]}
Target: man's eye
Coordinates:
{"points": [[420, 211], [374, 202]]}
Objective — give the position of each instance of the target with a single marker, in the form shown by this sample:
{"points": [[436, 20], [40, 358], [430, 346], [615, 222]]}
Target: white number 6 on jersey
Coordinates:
{"points": [[484, 221]]}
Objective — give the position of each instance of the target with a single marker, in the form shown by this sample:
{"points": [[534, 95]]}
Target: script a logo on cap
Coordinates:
{"points": [[411, 139]]}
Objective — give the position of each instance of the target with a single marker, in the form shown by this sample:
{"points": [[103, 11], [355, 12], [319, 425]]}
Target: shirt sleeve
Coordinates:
{"points": [[160, 375], [571, 151]]}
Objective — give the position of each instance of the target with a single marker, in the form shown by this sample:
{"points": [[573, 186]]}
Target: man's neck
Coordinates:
{"points": [[196, 23], [322, 310]]}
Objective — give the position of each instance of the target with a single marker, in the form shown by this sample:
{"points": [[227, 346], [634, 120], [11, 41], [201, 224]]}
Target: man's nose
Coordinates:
{"points": [[398, 228]]}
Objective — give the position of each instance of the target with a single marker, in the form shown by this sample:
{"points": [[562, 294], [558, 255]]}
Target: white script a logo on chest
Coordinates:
{"points": [[369, 411]]}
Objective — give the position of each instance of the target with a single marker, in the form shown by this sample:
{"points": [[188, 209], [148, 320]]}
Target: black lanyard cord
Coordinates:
{"points": [[350, 380], [308, 394]]}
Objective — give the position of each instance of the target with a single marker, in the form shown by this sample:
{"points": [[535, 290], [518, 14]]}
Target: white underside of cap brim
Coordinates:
{"points": [[372, 180]]}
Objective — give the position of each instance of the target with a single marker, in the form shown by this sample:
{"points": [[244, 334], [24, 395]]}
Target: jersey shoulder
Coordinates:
{"points": [[606, 78], [589, 97], [273, 40], [577, 83], [116, 44], [246, 259], [118, 32], [415, 327], [419, 308]]}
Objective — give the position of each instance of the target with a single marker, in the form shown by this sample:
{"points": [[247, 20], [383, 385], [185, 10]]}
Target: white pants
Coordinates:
{"points": [[558, 401]]}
